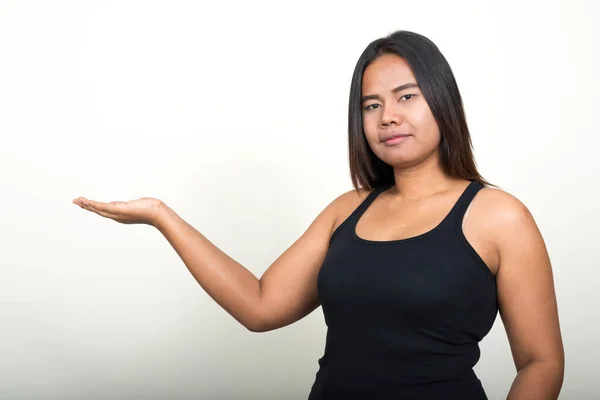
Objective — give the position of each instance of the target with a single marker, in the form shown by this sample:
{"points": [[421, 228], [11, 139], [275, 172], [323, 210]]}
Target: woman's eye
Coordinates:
{"points": [[371, 106], [376, 105]]}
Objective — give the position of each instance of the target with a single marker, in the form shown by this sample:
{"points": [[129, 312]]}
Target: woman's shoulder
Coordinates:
{"points": [[501, 205], [502, 212], [347, 202]]}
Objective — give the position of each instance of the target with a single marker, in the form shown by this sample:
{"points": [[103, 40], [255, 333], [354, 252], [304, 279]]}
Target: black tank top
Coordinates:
{"points": [[404, 317]]}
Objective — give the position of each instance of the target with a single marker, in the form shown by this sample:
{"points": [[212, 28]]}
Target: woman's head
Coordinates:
{"points": [[404, 89]]}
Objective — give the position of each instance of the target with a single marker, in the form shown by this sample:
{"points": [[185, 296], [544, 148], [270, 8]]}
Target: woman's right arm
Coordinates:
{"points": [[285, 293]]}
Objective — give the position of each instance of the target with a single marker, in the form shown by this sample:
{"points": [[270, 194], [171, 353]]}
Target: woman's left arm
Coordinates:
{"points": [[527, 302]]}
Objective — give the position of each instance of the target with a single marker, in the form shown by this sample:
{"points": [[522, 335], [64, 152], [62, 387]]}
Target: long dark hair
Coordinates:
{"points": [[437, 83]]}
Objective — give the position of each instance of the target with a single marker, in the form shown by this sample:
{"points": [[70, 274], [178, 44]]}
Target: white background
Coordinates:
{"points": [[234, 114]]}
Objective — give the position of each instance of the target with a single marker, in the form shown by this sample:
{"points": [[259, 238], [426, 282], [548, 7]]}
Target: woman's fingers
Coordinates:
{"points": [[103, 209], [140, 211], [99, 206], [81, 201]]}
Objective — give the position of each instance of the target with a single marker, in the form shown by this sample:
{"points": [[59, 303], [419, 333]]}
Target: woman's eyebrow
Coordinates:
{"points": [[398, 89]]}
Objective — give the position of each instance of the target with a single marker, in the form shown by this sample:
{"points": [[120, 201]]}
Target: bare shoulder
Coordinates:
{"points": [[502, 207], [503, 213], [352, 197], [346, 203]]}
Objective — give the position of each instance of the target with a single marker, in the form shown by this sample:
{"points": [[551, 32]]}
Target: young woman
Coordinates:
{"points": [[412, 266]]}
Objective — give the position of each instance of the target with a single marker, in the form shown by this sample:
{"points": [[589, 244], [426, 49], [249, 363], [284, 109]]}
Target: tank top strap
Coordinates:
{"points": [[359, 211], [462, 204]]}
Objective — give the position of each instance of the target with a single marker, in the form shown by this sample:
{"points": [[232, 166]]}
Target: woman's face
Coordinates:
{"points": [[397, 121]]}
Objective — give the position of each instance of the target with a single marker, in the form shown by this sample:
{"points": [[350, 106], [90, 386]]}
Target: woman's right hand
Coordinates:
{"points": [[140, 211]]}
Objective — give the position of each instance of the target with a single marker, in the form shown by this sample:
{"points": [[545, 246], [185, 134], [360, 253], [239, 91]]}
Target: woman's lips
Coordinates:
{"points": [[396, 139]]}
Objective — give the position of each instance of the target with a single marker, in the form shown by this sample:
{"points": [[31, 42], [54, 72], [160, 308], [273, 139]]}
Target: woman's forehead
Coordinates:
{"points": [[386, 73]]}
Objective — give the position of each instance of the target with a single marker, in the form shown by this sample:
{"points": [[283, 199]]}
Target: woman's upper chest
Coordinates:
{"points": [[387, 220]]}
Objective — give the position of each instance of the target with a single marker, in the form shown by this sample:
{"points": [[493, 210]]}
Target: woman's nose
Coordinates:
{"points": [[390, 114]]}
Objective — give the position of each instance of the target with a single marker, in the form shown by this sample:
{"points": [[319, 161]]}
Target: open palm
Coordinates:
{"points": [[140, 211]]}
